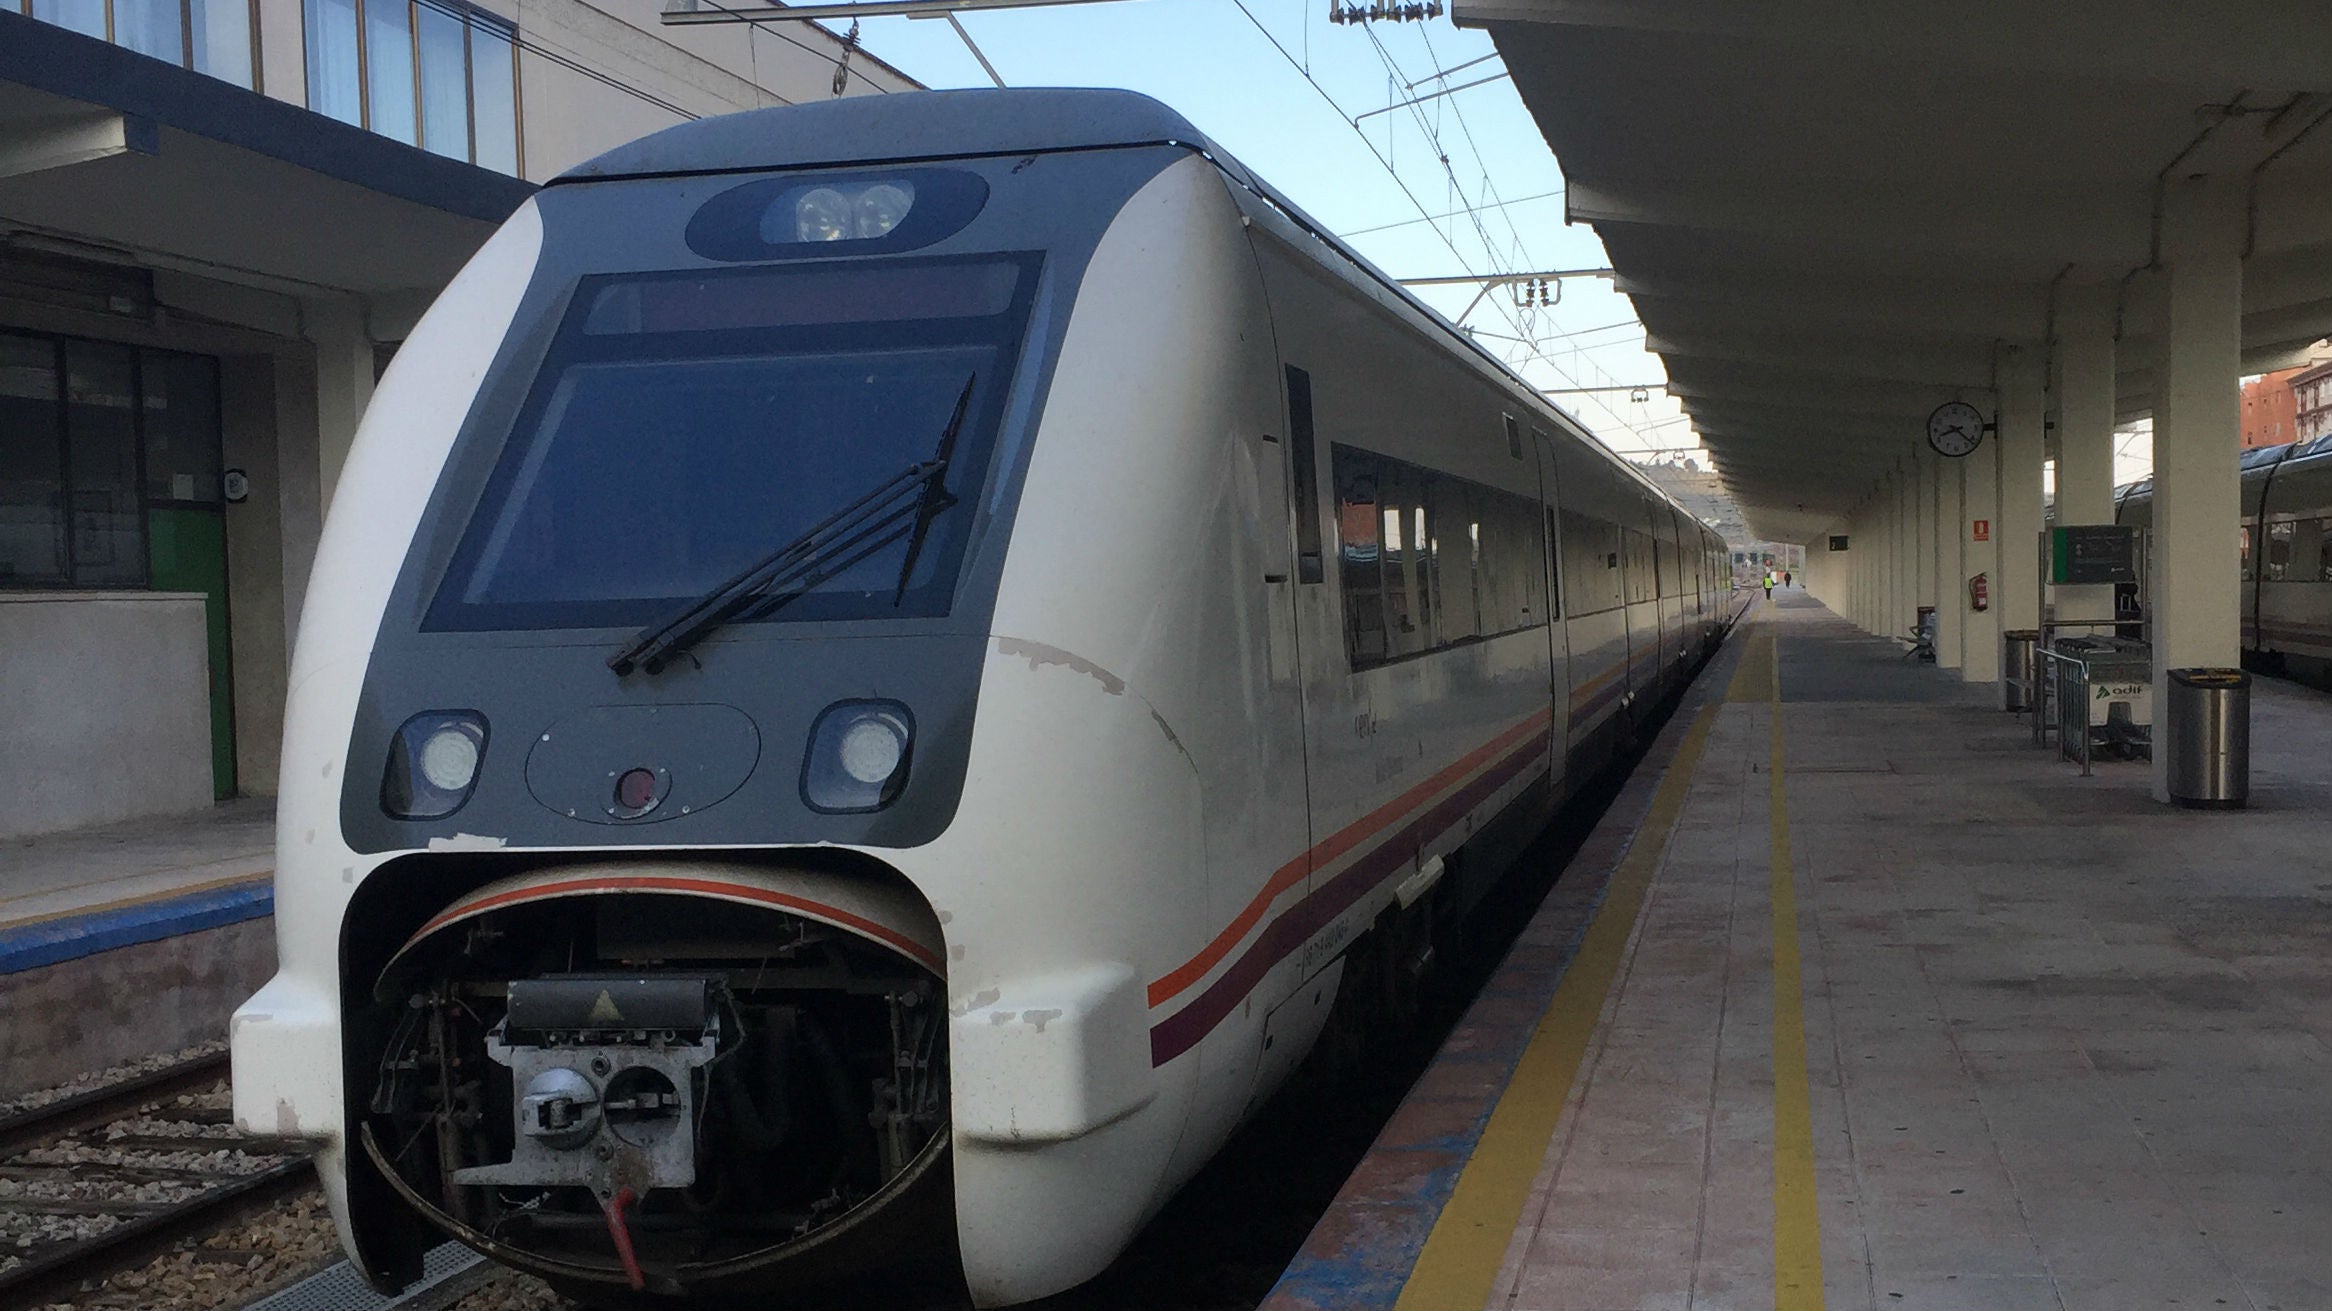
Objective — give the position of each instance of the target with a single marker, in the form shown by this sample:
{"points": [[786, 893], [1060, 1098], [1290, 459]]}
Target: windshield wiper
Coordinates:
{"points": [[851, 534], [936, 498]]}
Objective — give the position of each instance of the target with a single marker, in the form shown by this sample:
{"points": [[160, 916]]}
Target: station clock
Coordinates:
{"points": [[1955, 429]]}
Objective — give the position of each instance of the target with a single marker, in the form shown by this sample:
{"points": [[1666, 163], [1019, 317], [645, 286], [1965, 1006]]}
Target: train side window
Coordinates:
{"points": [[2243, 548], [2279, 550], [1301, 443], [1360, 555], [1406, 623], [1452, 509], [2324, 545], [2307, 549]]}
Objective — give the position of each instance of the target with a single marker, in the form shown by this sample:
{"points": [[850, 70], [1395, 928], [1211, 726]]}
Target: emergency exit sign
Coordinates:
{"points": [[1981, 530]]}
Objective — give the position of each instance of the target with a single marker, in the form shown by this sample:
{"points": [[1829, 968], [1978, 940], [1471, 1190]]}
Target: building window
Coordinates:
{"points": [[209, 36], [429, 73], [93, 437]]}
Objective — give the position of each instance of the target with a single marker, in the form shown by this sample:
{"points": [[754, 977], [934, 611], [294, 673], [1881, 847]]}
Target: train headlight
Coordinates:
{"points": [[858, 757], [433, 764], [839, 213]]}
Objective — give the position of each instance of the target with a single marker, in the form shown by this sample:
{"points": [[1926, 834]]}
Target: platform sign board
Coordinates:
{"points": [[2093, 553], [1837, 541]]}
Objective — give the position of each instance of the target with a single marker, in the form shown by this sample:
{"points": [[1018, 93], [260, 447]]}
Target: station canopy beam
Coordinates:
{"points": [[1833, 218]]}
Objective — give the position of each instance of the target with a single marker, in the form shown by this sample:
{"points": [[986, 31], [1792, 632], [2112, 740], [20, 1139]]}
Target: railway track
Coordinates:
{"points": [[102, 1180]]}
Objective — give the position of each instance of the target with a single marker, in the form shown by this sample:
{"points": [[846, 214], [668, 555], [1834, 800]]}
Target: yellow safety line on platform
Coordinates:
{"points": [[1797, 1221], [1468, 1242]]}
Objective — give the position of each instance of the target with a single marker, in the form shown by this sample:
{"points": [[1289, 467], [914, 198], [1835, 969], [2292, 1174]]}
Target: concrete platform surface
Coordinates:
{"points": [[74, 872], [1923, 1021]]}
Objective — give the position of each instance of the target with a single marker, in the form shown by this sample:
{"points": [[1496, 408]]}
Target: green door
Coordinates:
{"points": [[179, 427]]}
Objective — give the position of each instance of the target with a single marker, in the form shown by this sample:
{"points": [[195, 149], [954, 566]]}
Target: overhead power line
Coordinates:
{"points": [[1454, 213], [1431, 95]]}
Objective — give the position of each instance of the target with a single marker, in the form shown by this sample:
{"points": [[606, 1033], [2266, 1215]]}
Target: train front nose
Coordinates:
{"points": [[672, 1077]]}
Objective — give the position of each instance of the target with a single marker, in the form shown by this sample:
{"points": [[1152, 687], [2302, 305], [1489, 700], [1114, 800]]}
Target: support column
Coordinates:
{"points": [[2016, 520], [344, 381], [1898, 556], [2084, 394], [1951, 613], [1980, 500], [2197, 498], [1923, 458]]}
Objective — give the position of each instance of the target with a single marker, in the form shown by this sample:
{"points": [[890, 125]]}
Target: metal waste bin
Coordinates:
{"points": [[2208, 736], [2017, 667]]}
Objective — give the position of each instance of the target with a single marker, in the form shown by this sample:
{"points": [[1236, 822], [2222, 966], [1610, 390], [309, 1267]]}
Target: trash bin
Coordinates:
{"points": [[2017, 661], [2208, 735]]}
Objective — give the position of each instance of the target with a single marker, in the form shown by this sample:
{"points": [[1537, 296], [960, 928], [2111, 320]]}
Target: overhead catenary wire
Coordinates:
{"points": [[1490, 245], [1454, 213]]}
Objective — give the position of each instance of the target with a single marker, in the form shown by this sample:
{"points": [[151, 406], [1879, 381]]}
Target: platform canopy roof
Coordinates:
{"points": [[1833, 215]]}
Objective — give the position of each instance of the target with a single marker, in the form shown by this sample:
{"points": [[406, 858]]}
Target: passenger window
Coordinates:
{"points": [[2324, 545], [1360, 555], [1426, 560], [1452, 508], [1405, 619], [2243, 548], [2279, 549]]}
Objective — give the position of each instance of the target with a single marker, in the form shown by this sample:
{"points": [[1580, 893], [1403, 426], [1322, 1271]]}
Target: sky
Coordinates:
{"points": [[1278, 85]]}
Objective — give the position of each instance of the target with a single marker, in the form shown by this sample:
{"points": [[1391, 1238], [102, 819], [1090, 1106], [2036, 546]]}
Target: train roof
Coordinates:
{"points": [[901, 126]]}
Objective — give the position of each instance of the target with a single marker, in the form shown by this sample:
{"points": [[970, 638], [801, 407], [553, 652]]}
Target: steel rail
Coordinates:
{"points": [[102, 1105]]}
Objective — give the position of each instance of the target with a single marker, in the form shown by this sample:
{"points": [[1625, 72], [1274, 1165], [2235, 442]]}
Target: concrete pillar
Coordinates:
{"points": [[2197, 411], [1923, 474], [1951, 614], [2083, 351], [344, 381], [2016, 522], [1980, 505]]}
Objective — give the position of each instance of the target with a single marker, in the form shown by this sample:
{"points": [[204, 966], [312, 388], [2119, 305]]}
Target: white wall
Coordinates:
{"points": [[108, 708]]}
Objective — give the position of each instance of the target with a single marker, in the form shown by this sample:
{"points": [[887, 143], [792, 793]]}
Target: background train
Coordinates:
{"points": [[881, 672], [2286, 553]]}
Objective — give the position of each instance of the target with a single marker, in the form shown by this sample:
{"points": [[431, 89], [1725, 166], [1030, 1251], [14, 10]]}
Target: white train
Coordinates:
{"points": [[880, 672]]}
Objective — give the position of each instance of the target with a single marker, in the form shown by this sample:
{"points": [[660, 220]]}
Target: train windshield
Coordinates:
{"points": [[683, 425]]}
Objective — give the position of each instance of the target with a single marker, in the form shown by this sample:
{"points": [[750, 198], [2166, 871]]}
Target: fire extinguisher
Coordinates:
{"points": [[1980, 593]]}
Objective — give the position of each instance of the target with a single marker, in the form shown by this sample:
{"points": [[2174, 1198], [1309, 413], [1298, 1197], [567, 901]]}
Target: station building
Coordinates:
{"points": [[218, 218]]}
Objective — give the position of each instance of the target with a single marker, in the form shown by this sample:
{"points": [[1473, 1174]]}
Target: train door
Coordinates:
{"points": [[1558, 631]]}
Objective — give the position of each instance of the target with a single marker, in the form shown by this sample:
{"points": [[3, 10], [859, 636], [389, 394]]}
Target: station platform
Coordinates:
{"points": [[132, 939], [1856, 999]]}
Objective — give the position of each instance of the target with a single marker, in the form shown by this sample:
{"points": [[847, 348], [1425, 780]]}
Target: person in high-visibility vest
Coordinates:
{"points": [[1769, 584]]}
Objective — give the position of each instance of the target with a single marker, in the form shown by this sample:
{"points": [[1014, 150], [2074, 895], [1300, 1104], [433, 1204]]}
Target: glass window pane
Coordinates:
{"points": [[388, 68], [494, 93], [1449, 508], [101, 433], [32, 472], [647, 467], [84, 16], [181, 394], [222, 39], [1360, 553], [333, 88], [150, 27], [445, 82]]}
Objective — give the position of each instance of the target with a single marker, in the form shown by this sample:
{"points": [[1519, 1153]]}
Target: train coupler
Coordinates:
{"points": [[603, 1073]]}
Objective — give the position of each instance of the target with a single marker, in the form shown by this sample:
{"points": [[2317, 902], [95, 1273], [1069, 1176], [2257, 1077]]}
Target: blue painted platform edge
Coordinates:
{"points": [[74, 937]]}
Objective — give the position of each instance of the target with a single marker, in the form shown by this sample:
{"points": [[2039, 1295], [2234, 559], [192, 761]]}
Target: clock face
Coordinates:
{"points": [[1955, 429]]}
